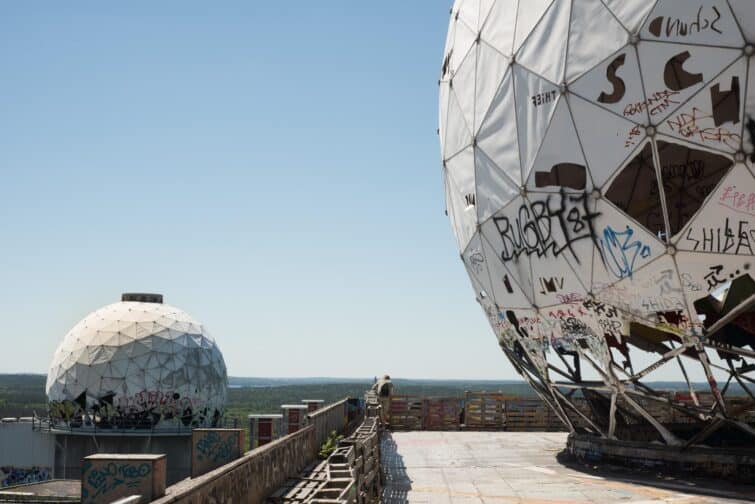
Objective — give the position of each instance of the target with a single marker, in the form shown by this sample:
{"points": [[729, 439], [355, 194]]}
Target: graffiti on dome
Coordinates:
{"points": [[732, 237], [143, 410], [621, 251], [546, 228], [706, 20]]}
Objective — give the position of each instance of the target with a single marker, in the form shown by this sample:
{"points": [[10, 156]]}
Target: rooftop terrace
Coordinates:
{"points": [[523, 467]]}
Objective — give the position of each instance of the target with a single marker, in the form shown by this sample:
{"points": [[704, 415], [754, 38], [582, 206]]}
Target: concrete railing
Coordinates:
{"points": [[252, 477], [259, 472], [329, 419]]}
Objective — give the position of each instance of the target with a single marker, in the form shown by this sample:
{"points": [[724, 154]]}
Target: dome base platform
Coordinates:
{"points": [[727, 463]]}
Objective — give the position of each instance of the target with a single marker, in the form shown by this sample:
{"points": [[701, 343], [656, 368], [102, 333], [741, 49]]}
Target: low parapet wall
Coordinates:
{"points": [[252, 477], [259, 472], [329, 419]]}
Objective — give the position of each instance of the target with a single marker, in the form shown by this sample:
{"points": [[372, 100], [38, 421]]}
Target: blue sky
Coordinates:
{"points": [[270, 167]]}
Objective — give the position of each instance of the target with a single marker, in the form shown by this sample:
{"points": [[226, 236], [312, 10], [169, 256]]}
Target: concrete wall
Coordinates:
{"points": [[70, 449], [252, 477], [107, 478], [212, 448], [26, 456]]}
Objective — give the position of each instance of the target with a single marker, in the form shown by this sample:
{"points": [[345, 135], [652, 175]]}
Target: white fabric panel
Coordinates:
{"points": [[745, 12], [608, 146], [707, 23], [458, 135], [555, 281], [463, 85], [631, 13], [498, 136], [464, 37], [494, 188], [695, 121], [657, 57], [560, 145], [549, 38], [485, 8], [506, 237], [595, 33], [461, 207], [498, 29], [461, 169], [469, 12], [536, 100], [655, 288], [477, 265], [615, 84], [505, 289], [624, 246], [726, 223], [528, 16], [491, 67]]}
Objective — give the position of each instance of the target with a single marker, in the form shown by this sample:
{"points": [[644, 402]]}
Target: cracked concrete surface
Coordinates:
{"points": [[522, 467]]}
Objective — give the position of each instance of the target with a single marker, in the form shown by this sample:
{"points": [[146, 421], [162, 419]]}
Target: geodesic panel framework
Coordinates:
{"points": [[598, 170], [137, 365]]}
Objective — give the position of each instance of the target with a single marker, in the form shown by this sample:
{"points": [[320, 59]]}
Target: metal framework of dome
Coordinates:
{"points": [[137, 364], [598, 170]]}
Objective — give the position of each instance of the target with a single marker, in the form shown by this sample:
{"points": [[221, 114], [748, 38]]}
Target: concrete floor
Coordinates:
{"points": [[521, 467]]}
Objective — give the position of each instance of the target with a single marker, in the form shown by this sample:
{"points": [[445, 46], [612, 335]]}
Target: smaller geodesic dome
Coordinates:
{"points": [[137, 364]]}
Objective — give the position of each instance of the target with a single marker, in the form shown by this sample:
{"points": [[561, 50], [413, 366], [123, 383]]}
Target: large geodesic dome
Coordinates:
{"points": [[137, 363], [598, 172]]}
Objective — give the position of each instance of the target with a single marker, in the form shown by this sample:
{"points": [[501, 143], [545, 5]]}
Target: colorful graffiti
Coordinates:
{"points": [[143, 410]]}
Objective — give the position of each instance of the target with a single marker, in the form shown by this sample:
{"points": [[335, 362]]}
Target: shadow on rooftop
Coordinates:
{"points": [[704, 487], [396, 481]]}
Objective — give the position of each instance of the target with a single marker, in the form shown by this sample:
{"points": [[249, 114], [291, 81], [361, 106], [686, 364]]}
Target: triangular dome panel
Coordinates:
{"points": [[527, 18], [631, 13], [605, 147], [714, 117], [615, 84], [536, 100], [560, 164], [549, 37], [674, 72], [494, 188], [708, 23], [498, 132], [594, 34], [498, 28], [491, 67], [723, 224]]}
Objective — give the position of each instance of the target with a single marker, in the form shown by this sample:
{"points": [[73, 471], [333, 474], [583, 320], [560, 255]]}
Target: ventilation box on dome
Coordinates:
{"points": [[142, 297]]}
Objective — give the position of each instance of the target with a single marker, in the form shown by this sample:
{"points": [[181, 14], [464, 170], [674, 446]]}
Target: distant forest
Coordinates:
{"points": [[24, 395]]}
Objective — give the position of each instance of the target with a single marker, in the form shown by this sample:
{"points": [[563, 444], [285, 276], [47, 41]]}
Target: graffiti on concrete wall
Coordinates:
{"points": [[112, 479], [216, 448], [11, 475]]}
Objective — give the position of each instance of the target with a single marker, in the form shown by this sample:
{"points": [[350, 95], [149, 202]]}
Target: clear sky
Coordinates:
{"points": [[270, 167]]}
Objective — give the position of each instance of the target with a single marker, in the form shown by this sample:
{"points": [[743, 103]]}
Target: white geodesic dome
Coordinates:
{"points": [[138, 364], [599, 182]]}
